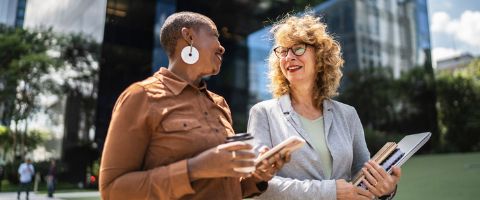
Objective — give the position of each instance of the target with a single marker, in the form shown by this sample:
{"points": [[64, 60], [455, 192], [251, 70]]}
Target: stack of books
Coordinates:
{"points": [[387, 156]]}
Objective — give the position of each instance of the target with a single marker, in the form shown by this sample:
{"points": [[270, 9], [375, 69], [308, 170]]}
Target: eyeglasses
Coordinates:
{"points": [[298, 50]]}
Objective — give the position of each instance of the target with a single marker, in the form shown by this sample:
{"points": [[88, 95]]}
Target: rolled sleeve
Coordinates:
{"points": [[250, 188], [281, 188], [179, 179]]}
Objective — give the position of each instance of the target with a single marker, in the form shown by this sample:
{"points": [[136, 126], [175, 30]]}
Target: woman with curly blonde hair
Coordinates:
{"points": [[305, 72]]}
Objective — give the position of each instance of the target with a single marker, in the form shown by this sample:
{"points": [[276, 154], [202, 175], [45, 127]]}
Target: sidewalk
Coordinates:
{"points": [[57, 196]]}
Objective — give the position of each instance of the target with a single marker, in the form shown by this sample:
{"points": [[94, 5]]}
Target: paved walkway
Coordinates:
{"points": [[58, 196]]}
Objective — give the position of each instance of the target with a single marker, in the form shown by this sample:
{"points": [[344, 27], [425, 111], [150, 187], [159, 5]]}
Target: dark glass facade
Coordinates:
{"points": [[22, 4], [259, 48], [12, 12], [126, 54], [131, 49], [371, 33], [423, 31]]}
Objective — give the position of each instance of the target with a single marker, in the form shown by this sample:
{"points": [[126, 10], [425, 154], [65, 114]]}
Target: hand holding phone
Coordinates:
{"points": [[291, 144]]}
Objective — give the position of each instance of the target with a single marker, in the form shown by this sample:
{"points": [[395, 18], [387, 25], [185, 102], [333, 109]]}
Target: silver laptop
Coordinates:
{"points": [[409, 145]]}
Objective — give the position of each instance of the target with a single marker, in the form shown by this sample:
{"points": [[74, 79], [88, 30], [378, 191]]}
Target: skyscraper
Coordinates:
{"points": [[12, 12], [372, 33]]}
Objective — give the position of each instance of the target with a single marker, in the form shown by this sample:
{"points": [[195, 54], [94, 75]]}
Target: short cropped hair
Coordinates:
{"points": [[171, 30], [310, 30]]}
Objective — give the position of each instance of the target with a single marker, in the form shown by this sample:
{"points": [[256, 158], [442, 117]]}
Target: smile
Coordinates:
{"points": [[219, 56], [293, 68]]}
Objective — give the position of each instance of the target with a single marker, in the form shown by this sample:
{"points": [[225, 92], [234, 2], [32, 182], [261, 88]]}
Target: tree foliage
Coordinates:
{"points": [[416, 89], [391, 107], [458, 97], [372, 92], [34, 62], [24, 62]]}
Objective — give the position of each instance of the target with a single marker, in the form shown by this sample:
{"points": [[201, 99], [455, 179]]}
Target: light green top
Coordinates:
{"points": [[316, 131]]}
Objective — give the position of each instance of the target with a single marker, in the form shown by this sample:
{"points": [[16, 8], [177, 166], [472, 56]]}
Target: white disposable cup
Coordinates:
{"points": [[247, 138], [247, 169]]}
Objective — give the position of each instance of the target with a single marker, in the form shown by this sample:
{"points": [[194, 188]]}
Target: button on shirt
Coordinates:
{"points": [[157, 124]]}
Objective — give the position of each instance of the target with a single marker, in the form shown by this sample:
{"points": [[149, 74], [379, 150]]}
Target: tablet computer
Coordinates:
{"points": [[290, 144]]}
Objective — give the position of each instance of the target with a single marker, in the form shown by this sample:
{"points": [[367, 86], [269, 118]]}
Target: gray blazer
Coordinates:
{"points": [[274, 120]]}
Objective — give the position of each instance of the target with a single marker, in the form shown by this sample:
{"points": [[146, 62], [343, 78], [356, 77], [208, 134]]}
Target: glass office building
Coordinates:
{"points": [[69, 121], [372, 33], [12, 12], [131, 49], [391, 33], [128, 33], [387, 33]]}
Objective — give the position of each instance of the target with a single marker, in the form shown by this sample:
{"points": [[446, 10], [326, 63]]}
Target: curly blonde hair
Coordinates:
{"points": [[310, 30]]}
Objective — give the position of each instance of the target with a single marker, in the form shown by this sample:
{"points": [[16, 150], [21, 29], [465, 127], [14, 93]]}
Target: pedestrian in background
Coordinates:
{"points": [[1, 177], [26, 172], [51, 178]]}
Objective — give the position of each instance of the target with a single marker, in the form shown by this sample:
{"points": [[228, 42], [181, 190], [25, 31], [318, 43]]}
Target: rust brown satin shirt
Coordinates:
{"points": [[157, 124]]}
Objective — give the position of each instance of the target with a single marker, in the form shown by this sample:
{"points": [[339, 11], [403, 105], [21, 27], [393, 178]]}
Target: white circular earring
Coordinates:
{"points": [[190, 54]]}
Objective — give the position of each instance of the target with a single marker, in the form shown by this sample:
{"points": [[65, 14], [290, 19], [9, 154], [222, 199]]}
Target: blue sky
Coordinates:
{"points": [[454, 27]]}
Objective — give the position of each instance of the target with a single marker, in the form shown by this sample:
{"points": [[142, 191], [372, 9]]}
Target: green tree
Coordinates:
{"points": [[24, 64], [458, 97], [372, 92], [79, 55], [5, 141], [390, 107], [418, 98]]}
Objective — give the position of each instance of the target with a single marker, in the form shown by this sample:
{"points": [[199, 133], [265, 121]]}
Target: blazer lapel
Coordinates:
{"points": [[288, 112], [327, 116], [328, 122]]}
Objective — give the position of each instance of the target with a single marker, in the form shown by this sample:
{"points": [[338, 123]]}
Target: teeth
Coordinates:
{"points": [[293, 67], [219, 57]]}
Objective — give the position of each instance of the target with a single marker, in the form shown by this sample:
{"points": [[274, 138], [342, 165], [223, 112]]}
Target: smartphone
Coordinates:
{"points": [[291, 144]]}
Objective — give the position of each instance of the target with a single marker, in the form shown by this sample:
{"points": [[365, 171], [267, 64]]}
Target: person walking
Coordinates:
{"points": [[1, 176], [51, 178], [26, 172]]}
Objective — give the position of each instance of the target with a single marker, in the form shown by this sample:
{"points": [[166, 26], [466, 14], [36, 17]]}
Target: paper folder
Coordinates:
{"points": [[393, 154]]}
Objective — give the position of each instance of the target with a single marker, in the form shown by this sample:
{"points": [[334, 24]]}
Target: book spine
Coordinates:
{"points": [[388, 163]]}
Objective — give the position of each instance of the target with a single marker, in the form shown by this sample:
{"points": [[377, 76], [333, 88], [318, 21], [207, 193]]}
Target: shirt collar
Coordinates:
{"points": [[175, 83], [286, 104]]}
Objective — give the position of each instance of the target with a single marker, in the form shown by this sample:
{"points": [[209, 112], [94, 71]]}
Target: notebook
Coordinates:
{"points": [[393, 154]]}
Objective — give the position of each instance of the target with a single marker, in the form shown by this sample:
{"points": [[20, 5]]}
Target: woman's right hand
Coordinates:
{"points": [[219, 161], [346, 190]]}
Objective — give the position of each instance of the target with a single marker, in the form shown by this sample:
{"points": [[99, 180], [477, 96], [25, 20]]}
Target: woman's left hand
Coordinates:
{"points": [[269, 167], [378, 181]]}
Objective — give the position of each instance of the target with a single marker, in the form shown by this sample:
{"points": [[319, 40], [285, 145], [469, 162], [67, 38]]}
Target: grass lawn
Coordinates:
{"points": [[83, 198], [42, 188], [444, 176], [438, 177]]}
